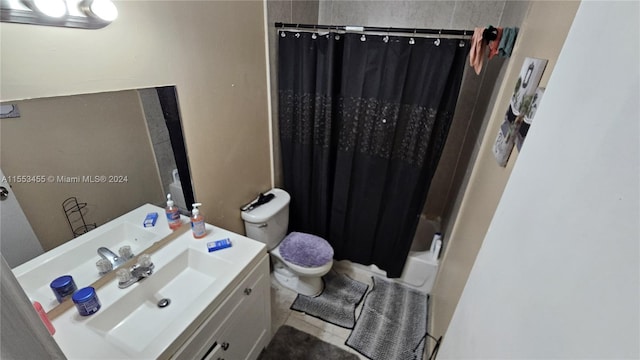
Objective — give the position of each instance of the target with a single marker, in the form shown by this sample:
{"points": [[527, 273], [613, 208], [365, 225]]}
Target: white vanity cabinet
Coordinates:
{"points": [[219, 302], [240, 327]]}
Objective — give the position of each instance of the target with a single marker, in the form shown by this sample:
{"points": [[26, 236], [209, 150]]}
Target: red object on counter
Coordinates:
{"points": [[44, 318]]}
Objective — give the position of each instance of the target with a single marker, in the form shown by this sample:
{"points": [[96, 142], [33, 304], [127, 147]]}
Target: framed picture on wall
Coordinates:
{"points": [[520, 105], [528, 118]]}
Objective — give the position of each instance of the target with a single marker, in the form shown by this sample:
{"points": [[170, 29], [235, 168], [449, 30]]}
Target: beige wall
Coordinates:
{"points": [[77, 136], [213, 51], [541, 35], [492, 75]]}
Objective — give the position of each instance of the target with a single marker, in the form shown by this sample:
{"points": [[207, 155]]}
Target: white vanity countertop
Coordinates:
{"points": [[129, 324], [77, 257]]}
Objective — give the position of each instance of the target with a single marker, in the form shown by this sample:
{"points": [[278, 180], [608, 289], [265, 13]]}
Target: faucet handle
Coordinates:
{"points": [[104, 266], [145, 260], [125, 252], [123, 275]]}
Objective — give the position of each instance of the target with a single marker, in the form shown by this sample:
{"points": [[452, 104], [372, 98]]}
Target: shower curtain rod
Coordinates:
{"points": [[468, 33]]}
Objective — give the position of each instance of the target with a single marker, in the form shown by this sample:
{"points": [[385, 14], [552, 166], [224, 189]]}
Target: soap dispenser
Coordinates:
{"points": [[173, 215], [197, 222]]}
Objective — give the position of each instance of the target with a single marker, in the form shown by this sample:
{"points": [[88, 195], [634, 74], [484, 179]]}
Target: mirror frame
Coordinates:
{"points": [[168, 96]]}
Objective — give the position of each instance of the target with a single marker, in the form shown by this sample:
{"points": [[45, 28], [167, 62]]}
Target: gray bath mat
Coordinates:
{"points": [[392, 324], [337, 303], [292, 344]]}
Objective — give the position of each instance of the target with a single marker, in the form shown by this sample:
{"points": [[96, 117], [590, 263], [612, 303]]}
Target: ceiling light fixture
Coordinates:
{"points": [[101, 9], [83, 14], [52, 8]]}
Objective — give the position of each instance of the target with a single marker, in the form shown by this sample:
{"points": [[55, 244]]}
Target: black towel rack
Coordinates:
{"points": [[73, 211]]}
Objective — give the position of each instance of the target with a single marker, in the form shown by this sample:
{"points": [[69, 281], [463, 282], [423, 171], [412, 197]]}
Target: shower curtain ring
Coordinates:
{"points": [[411, 39], [437, 42], [461, 43]]}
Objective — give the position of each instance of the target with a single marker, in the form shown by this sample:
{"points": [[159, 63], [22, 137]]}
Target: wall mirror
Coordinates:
{"points": [[112, 151]]}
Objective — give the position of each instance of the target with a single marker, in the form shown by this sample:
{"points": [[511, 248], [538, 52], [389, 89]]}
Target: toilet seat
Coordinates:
{"points": [[304, 271], [305, 249]]}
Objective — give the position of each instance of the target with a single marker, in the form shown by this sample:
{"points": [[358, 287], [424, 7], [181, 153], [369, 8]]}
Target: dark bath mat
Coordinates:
{"points": [[290, 343], [337, 303], [392, 324]]}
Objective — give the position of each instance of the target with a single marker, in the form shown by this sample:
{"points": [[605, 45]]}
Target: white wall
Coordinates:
{"points": [[558, 273], [542, 34]]}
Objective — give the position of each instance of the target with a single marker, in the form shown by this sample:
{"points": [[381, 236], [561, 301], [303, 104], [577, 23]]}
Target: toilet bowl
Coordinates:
{"points": [[299, 260], [303, 280]]}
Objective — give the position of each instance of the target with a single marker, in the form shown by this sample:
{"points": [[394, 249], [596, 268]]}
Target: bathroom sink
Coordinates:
{"points": [[130, 324], [135, 320], [78, 258]]}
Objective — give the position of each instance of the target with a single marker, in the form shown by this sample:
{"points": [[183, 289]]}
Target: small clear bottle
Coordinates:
{"points": [[173, 215], [197, 222]]}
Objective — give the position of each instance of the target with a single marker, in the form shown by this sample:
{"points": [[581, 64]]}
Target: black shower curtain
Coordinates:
{"points": [[363, 120]]}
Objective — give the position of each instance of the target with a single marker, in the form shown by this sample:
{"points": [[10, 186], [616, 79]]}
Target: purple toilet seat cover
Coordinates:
{"points": [[306, 250]]}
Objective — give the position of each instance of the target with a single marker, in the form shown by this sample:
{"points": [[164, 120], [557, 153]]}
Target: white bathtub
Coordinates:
{"points": [[419, 270]]}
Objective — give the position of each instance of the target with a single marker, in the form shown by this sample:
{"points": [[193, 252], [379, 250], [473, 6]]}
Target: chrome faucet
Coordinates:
{"points": [[143, 269], [110, 256], [109, 260]]}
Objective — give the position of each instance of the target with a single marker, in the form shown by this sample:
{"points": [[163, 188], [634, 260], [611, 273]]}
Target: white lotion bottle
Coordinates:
{"points": [[436, 236], [438, 247]]}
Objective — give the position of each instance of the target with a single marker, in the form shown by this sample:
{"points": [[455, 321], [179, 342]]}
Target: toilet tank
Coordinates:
{"points": [[268, 223]]}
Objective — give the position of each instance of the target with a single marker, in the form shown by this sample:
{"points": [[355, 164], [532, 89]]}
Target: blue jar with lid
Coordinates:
{"points": [[63, 287], [86, 301]]}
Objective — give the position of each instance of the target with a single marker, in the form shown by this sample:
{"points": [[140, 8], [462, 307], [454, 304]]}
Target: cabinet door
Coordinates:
{"points": [[248, 332], [204, 341], [246, 309]]}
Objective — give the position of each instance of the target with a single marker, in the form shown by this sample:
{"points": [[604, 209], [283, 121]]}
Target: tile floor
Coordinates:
{"points": [[281, 300]]}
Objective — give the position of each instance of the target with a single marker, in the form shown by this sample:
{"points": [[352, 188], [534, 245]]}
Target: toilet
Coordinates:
{"points": [[299, 259]]}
